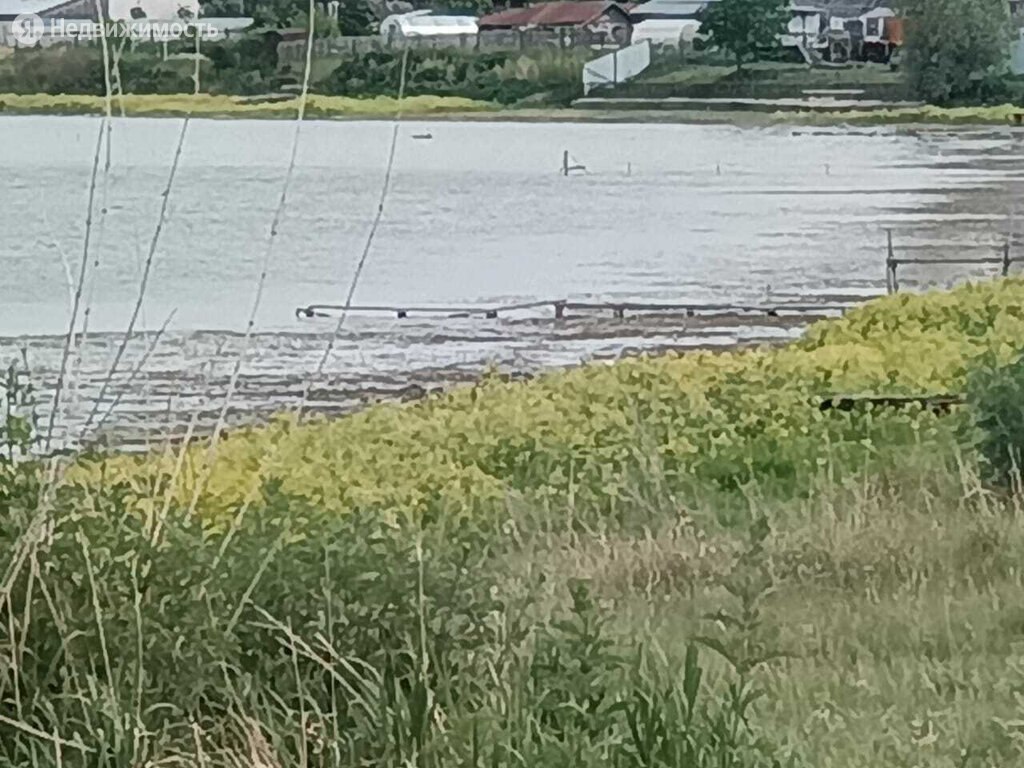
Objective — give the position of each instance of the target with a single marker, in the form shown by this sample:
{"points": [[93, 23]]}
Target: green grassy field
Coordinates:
{"points": [[206, 105], [454, 108], [676, 561], [798, 76]]}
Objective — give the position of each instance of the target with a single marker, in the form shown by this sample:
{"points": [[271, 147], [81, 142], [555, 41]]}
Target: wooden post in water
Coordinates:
{"points": [[891, 283], [1006, 258], [567, 168]]}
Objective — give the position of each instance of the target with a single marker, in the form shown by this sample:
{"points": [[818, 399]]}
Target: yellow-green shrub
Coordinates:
{"points": [[711, 422]]}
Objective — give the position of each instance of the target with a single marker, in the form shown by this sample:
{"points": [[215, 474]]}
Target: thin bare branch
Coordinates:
{"points": [[146, 270], [385, 189], [76, 303]]}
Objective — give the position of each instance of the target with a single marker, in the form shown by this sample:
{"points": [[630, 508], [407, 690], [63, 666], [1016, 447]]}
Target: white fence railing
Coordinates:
{"points": [[617, 67]]}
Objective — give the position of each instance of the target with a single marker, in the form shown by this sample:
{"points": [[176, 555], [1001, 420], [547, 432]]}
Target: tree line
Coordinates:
{"points": [[955, 52]]}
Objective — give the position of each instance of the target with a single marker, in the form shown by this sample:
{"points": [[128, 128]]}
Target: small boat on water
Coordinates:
{"points": [[427, 135]]}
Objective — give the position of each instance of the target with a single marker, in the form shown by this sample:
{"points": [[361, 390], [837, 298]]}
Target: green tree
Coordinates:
{"points": [[458, 7], [957, 50], [746, 28], [996, 396]]}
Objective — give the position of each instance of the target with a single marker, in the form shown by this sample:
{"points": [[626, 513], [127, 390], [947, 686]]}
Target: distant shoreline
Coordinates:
{"points": [[451, 108]]}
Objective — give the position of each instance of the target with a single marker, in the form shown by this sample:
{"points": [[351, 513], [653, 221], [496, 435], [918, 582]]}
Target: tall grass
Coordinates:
{"points": [[353, 640], [875, 622], [866, 615]]}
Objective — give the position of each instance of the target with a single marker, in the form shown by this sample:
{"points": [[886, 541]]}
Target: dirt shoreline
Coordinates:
{"points": [[452, 109]]}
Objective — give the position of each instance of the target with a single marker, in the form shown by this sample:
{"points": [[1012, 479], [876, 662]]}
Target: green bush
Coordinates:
{"points": [[53, 70], [133, 636], [367, 639], [996, 394], [249, 65], [242, 66], [18, 481], [956, 50], [501, 76]]}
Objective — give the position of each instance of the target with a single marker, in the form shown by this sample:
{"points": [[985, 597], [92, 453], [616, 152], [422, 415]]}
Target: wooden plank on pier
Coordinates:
{"points": [[692, 308], [959, 262], [935, 403], [317, 310], [619, 308]]}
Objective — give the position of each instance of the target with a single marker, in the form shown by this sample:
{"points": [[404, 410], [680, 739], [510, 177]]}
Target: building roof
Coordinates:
{"points": [[846, 8], [661, 31], [228, 23], [10, 9], [669, 9], [557, 14]]}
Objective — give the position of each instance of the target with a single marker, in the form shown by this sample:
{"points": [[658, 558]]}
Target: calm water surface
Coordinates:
{"points": [[478, 215]]}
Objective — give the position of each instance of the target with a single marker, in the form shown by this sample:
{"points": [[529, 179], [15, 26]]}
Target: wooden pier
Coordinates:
{"points": [[935, 403], [561, 308]]}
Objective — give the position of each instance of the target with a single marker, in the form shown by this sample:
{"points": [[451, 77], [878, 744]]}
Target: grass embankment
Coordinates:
{"points": [[923, 116], [789, 79], [451, 107], [523, 573], [1002, 114], [206, 105]]}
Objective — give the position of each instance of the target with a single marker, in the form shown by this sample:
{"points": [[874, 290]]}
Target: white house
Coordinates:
{"points": [[424, 24], [806, 28], [666, 33], [667, 23]]}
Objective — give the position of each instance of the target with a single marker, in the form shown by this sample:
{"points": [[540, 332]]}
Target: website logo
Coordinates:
{"points": [[27, 29]]}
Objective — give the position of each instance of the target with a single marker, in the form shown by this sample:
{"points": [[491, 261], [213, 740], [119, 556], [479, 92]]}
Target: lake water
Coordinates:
{"points": [[479, 215]]}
